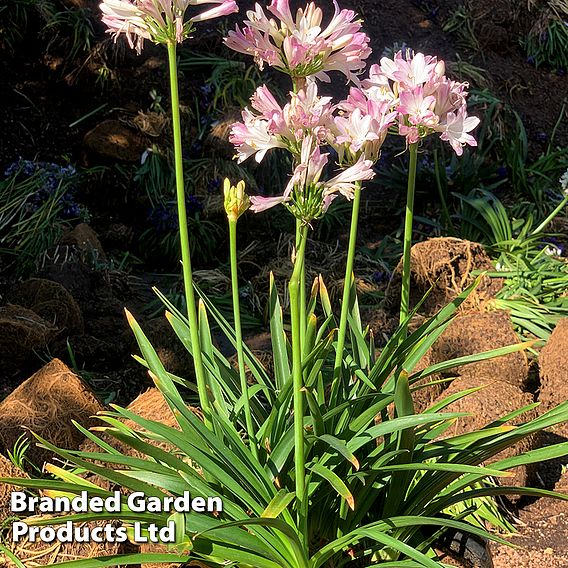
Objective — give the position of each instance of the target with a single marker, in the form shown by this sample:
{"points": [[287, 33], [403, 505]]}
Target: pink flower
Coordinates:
{"points": [[160, 21], [363, 128], [417, 107], [409, 71], [253, 137], [346, 181], [424, 98], [268, 125], [456, 130], [299, 46]]}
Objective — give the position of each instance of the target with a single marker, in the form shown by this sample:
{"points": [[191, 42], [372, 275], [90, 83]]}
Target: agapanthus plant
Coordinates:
{"points": [[300, 46], [322, 462], [426, 102]]}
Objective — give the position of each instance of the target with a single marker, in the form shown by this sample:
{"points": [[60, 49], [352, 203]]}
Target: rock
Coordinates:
{"points": [[52, 302], [445, 264], [112, 141], [46, 404], [22, 334]]}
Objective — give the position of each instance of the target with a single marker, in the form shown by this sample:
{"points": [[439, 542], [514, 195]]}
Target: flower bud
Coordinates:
{"points": [[236, 199]]}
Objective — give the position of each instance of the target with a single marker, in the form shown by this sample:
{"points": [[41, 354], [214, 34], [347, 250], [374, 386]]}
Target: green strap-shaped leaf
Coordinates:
{"points": [[278, 504], [342, 448], [335, 481], [278, 337]]}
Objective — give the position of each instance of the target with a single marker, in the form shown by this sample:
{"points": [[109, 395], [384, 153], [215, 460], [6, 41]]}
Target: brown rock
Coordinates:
{"points": [[22, 334], [444, 264], [52, 302], [46, 404], [112, 141]]}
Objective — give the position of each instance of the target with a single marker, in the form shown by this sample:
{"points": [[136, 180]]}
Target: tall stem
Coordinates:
{"points": [[405, 292], [298, 383], [239, 335], [346, 292], [303, 322], [184, 239]]}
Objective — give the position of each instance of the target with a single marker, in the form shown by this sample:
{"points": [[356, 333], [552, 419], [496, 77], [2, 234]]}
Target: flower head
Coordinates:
{"points": [[564, 183], [236, 199], [299, 45], [267, 125], [362, 128], [160, 21], [424, 98]]}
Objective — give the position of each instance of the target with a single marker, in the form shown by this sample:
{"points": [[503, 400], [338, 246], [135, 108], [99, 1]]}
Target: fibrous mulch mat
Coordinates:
{"points": [[22, 334], [447, 265], [467, 335], [169, 348], [150, 405], [52, 302], [39, 553], [553, 369], [8, 469], [46, 404], [495, 400]]}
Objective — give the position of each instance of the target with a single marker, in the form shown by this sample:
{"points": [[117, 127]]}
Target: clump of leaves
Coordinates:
{"points": [[37, 202]]}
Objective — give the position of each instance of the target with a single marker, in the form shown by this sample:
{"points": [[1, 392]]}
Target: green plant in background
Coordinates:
{"points": [[15, 16], [324, 463], [155, 176], [38, 203], [527, 259], [547, 41], [231, 82], [70, 27], [67, 27]]}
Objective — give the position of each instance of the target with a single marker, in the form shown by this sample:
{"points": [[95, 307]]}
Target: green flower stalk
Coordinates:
{"points": [[236, 203], [408, 220], [339, 352], [169, 22], [184, 239], [298, 379]]}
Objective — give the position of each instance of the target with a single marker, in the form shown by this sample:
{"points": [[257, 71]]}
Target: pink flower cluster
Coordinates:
{"points": [[268, 125], [300, 46], [302, 126], [425, 100], [158, 20]]}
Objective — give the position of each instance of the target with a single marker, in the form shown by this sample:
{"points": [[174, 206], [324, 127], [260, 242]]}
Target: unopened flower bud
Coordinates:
{"points": [[236, 199]]}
